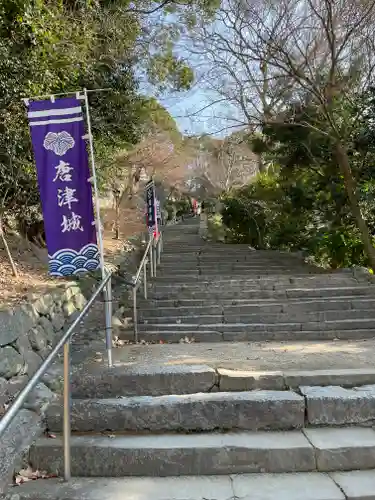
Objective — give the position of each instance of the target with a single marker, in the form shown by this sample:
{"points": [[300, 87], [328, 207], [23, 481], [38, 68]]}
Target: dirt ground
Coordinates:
{"points": [[32, 272]]}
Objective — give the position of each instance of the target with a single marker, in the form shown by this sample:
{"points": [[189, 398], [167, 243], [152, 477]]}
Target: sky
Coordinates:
{"points": [[184, 107]]}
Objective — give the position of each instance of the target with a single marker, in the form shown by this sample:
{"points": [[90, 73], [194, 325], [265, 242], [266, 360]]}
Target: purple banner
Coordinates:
{"points": [[57, 130], [151, 207]]}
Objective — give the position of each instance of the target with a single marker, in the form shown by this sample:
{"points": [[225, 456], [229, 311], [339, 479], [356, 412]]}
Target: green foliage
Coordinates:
{"points": [[216, 231], [157, 119], [178, 208], [303, 204], [64, 45], [167, 69]]}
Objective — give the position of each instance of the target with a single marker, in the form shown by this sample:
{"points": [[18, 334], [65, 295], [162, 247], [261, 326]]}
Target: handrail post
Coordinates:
{"points": [[159, 249], [108, 320], [145, 280], [151, 259], [154, 257], [135, 313], [66, 425]]}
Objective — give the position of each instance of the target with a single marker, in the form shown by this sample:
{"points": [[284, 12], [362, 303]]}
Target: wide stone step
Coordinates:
{"points": [[150, 381], [252, 410], [208, 333], [268, 308], [190, 251], [345, 324], [190, 246], [238, 271], [267, 318], [212, 266], [156, 380], [356, 301], [353, 485], [228, 274], [301, 316], [227, 292], [309, 278], [171, 262], [324, 450], [245, 283]]}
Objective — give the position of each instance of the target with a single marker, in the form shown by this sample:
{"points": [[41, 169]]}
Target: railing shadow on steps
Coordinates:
{"points": [[152, 254]]}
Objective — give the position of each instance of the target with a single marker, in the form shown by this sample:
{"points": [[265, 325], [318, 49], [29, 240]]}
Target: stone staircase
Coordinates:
{"points": [[144, 431], [214, 292]]}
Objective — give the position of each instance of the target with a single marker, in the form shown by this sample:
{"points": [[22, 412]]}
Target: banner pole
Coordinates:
{"points": [[107, 290]]}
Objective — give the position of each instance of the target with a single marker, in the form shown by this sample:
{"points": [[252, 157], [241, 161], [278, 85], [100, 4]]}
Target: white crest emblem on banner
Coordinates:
{"points": [[59, 142]]}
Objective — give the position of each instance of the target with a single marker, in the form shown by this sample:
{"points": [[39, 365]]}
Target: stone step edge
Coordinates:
{"points": [[212, 335], [251, 309], [358, 485], [256, 301], [156, 380], [308, 450], [225, 317], [248, 410]]}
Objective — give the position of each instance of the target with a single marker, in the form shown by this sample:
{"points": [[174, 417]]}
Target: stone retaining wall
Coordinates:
{"points": [[27, 335]]}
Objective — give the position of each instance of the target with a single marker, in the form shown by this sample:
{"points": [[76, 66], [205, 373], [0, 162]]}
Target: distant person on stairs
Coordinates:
{"points": [[195, 207]]}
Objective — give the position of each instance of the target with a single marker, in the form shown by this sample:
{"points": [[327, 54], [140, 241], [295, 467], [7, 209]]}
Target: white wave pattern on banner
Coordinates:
{"points": [[58, 142], [68, 262]]}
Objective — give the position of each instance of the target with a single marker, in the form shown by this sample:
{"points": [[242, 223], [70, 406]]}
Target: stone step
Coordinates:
{"points": [[354, 300], [302, 316], [214, 261], [159, 380], [353, 485], [229, 274], [332, 325], [309, 278], [156, 380], [251, 410], [245, 283], [335, 405], [212, 265], [266, 318], [238, 271], [263, 308], [227, 292], [191, 250], [152, 380], [169, 262], [192, 244], [321, 449], [210, 333]]}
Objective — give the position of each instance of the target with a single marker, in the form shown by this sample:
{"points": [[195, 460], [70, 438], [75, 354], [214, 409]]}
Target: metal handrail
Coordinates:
{"points": [[152, 255], [64, 341], [143, 261]]}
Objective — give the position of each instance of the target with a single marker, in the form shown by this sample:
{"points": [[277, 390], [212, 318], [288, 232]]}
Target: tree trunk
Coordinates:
{"points": [[350, 186], [117, 218], [9, 255]]}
